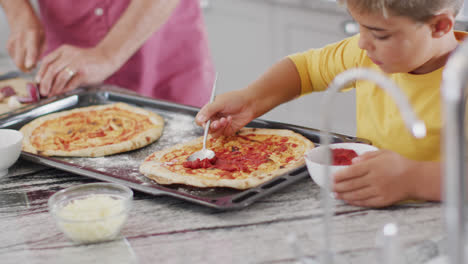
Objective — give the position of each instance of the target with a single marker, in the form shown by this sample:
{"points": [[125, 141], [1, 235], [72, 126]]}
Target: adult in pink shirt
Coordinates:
{"points": [[157, 48]]}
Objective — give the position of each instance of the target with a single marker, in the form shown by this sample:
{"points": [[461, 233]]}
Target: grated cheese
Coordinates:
{"points": [[93, 218]]}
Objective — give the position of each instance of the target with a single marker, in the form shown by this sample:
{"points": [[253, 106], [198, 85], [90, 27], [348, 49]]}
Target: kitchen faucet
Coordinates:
{"points": [[417, 128], [454, 81]]}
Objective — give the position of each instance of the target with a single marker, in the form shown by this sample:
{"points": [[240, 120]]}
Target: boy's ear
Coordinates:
{"points": [[442, 24]]}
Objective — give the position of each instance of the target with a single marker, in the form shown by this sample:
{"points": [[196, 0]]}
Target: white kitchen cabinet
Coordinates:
{"points": [[247, 37]]}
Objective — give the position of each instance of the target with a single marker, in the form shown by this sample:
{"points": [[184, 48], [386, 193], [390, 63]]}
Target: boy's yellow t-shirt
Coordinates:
{"points": [[377, 116]]}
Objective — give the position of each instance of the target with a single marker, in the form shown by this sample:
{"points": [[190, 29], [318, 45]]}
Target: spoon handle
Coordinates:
{"points": [[208, 123], [205, 134], [213, 90]]}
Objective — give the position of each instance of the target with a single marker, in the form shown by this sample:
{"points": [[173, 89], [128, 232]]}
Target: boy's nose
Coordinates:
{"points": [[364, 42]]}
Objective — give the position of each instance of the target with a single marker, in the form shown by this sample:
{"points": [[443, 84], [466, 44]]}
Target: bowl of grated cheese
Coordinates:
{"points": [[91, 213]]}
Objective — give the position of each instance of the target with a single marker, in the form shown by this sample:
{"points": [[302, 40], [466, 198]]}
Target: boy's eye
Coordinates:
{"points": [[383, 37]]}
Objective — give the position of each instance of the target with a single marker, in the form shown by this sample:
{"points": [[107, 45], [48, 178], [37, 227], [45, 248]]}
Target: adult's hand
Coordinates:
{"points": [[26, 40], [68, 67]]}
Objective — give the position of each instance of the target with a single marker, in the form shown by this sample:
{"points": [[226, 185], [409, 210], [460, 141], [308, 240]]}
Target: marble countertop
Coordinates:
{"points": [[166, 230]]}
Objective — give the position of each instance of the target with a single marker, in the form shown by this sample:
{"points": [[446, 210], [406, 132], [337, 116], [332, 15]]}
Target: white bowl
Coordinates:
{"points": [[10, 148], [315, 159], [91, 213]]}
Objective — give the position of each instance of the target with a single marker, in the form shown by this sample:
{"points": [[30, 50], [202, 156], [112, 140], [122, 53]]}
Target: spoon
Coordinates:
{"points": [[205, 153]]}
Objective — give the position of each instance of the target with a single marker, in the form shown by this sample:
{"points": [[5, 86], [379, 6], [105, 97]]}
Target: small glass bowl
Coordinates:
{"points": [[91, 213]]}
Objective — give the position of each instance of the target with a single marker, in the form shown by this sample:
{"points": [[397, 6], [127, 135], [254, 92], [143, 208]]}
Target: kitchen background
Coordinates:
{"points": [[248, 36]]}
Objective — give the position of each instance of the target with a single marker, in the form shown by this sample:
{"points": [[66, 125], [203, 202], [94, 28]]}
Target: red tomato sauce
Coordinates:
{"points": [[252, 155], [343, 156]]}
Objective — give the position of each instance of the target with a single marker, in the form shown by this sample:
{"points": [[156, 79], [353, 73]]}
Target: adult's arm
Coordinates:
{"points": [[139, 21], [26, 39], [90, 66]]}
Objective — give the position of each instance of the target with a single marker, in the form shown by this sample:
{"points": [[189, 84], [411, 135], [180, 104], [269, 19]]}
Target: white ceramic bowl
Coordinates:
{"points": [[315, 159], [91, 213], [10, 148]]}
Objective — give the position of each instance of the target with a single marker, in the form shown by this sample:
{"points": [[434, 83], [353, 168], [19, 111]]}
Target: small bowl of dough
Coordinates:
{"points": [[342, 154], [91, 213], [10, 148]]}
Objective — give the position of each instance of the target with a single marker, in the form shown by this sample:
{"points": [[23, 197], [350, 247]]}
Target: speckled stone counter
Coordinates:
{"points": [[167, 230]]}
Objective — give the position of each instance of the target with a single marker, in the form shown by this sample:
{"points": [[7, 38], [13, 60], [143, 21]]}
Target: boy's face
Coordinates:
{"points": [[395, 44]]}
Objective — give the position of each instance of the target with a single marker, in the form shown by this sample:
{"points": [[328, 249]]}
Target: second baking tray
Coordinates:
{"points": [[179, 127]]}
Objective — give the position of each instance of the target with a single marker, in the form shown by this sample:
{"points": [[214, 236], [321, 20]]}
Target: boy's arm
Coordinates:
{"points": [[280, 84], [233, 110], [426, 180]]}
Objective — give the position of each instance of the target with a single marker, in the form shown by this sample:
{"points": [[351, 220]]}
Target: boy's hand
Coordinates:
{"points": [[375, 179], [229, 112]]}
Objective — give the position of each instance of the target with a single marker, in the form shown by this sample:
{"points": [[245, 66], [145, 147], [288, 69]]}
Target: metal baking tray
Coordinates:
{"points": [[179, 127]]}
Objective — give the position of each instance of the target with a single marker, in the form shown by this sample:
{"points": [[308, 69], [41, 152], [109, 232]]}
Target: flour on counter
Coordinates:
{"points": [[178, 128]]}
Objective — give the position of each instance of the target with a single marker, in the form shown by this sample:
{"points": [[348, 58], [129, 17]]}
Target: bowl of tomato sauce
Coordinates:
{"points": [[342, 156]]}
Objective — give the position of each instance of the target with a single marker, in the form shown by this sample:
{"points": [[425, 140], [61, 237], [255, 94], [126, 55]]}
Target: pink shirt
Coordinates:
{"points": [[174, 64]]}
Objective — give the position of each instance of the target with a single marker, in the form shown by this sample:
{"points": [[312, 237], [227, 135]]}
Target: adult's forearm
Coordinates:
{"points": [[15, 9], [280, 84], [138, 22]]}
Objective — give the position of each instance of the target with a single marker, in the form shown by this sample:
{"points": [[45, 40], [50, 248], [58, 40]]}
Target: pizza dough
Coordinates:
{"points": [[92, 131], [251, 157]]}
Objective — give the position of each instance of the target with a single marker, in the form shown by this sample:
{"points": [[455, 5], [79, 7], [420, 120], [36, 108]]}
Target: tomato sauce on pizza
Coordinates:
{"points": [[89, 129], [92, 131], [246, 153], [241, 161]]}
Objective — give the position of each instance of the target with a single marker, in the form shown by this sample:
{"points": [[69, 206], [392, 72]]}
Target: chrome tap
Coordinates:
{"points": [[417, 128], [390, 246], [454, 81]]}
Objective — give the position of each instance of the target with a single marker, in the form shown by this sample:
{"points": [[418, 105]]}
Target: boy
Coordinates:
{"points": [[409, 41]]}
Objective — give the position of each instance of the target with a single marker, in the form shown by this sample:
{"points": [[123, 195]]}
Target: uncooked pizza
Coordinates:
{"points": [[92, 131], [15, 93], [245, 160]]}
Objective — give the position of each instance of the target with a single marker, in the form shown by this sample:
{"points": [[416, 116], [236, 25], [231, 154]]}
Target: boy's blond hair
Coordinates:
{"points": [[418, 10]]}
